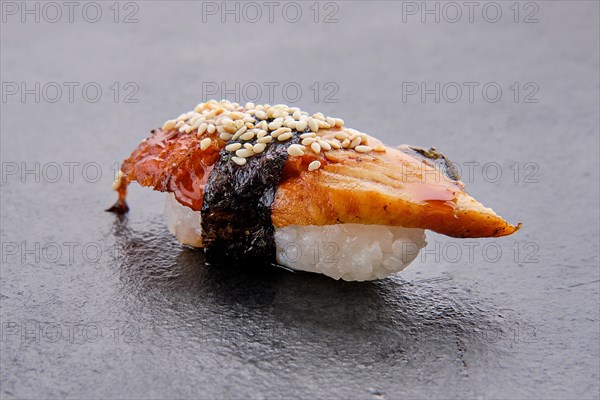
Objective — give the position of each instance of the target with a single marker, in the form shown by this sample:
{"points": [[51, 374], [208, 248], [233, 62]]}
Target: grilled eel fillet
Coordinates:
{"points": [[403, 186]]}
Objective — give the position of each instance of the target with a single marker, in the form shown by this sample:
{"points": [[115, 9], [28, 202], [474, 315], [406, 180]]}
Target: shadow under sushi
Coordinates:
{"points": [[391, 324]]}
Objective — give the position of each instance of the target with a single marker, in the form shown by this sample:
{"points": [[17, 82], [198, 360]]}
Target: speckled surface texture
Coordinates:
{"points": [[145, 318]]}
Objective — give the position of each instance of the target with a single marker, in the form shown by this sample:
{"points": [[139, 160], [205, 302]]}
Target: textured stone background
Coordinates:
{"points": [[145, 318]]}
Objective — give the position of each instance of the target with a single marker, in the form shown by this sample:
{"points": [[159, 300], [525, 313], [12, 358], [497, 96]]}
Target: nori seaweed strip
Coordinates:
{"points": [[236, 209]]}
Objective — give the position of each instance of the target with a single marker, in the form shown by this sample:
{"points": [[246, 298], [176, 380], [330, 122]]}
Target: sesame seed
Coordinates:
{"points": [[341, 135], [308, 135], [276, 124], [363, 149], [380, 149], [266, 139], [179, 124], [170, 124], [205, 143], [202, 128], [227, 121], [314, 165], [296, 115], [225, 136], [182, 117], [244, 153], [295, 150], [355, 142], [330, 121], [284, 136], [315, 147], [322, 124], [236, 136], [248, 146], [301, 126], [233, 147], [261, 134], [324, 145], [280, 113], [238, 160], [312, 124], [211, 128], [197, 123], [308, 141], [335, 144], [228, 128], [260, 114], [239, 123], [346, 143], [319, 116], [247, 136], [259, 147], [352, 132]]}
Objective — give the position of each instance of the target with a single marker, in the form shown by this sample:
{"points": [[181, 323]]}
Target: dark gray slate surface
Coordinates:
{"points": [[145, 318]]}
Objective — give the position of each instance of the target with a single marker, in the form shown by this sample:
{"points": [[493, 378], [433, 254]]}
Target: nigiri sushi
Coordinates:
{"points": [[276, 184]]}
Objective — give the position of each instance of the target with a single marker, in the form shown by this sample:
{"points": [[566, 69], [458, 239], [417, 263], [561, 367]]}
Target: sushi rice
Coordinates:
{"points": [[352, 252]]}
